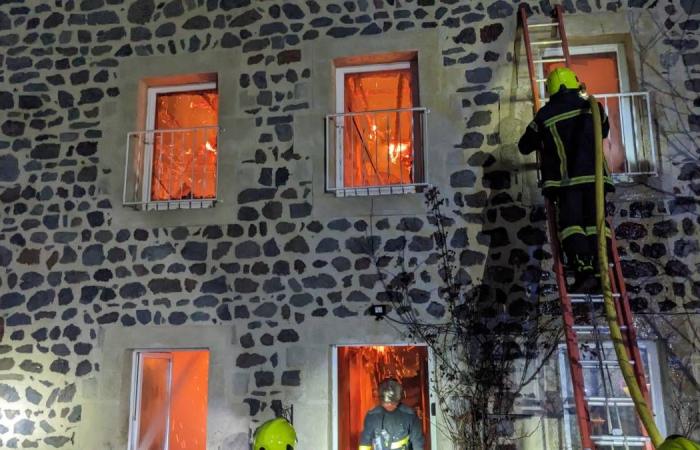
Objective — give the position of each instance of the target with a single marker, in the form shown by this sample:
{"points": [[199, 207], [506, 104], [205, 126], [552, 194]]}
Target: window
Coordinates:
{"points": [[358, 369], [173, 162], [169, 400], [376, 139], [630, 148], [615, 425]]}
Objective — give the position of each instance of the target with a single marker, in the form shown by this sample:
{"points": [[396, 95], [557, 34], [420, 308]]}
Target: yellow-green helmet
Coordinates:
{"points": [[275, 434], [678, 443], [561, 76]]}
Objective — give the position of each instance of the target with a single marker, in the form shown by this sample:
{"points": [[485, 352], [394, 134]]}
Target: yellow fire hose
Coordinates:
{"points": [[640, 404]]}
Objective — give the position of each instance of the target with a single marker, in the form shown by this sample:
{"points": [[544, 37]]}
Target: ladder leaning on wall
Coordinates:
{"points": [[582, 313]]}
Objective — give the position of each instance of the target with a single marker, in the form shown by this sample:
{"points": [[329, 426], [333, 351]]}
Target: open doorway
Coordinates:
{"points": [[358, 369]]}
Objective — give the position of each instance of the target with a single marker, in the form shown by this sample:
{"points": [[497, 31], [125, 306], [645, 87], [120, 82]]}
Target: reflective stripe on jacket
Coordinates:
{"points": [[562, 131]]}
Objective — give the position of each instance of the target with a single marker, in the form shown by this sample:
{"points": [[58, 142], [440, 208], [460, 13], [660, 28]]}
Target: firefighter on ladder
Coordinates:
{"points": [[391, 425], [562, 131]]}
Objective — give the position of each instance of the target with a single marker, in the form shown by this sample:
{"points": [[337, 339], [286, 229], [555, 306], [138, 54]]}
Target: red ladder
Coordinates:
{"points": [[578, 336]]}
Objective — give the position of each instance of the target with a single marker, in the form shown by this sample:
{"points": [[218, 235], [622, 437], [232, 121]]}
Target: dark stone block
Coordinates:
{"points": [[288, 335], [471, 140], [265, 310], [248, 214], [108, 318], [177, 318], [421, 244], [157, 252], [321, 281], [71, 332], [339, 225], [197, 23], [12, 128], [253, 195], [143, 316], [530, 235], [264, 378], [363, 245], [341, 32], [248, 360], [478, 75], [195, 251], [132, 290], [102, 18], [463, 178], [654, 251], [357, 296], [166, 30], [60, 365], [395, 245], [490, 33], [301, 300], [140, 11], [466, 36], [8, 393], [685, 247], [630, 231], [297, 245], [11, 300], [215, 286], [638, 269], [45, 151], [90, 95], [164, 285], [340, 311], [327, 245], [293, 12], [247, 249], [93, 255], [665, 229], [24, 427], [245, 285], [497, 237], [40, 299]]}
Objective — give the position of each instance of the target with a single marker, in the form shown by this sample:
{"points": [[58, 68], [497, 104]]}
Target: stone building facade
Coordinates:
{"points": [[279, 271]]}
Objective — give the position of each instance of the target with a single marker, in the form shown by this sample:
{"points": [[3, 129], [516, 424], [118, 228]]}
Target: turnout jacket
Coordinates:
{"points": [[563, 133], [402, 425]]}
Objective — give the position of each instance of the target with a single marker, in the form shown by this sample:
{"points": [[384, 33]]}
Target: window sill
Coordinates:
{"points": [[380, 190], [172, 205]]}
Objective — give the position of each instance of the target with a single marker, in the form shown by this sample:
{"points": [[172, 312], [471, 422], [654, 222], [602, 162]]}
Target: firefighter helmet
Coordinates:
{"points": [[676, 442], [275, 434], [562, 76], [390, 391]]}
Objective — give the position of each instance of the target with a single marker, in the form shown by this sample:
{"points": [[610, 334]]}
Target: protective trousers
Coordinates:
{"points": [[577, 228]]}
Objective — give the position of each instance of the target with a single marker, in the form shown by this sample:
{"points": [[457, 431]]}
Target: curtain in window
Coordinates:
{"points": [[184, 161], [378, 147]]}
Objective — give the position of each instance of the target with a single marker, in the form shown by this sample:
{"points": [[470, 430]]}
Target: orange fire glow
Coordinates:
{"points": [[378, 147], [184, 160]]}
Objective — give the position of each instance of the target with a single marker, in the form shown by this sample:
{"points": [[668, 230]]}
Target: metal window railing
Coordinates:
{"points": [[631, 144], [376, 152], [171, 168]]}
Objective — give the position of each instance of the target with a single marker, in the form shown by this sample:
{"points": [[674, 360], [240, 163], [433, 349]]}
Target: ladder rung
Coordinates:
{"points": [[549, 60], [543, 25], [606, 362], [583, 298], [557, 41], [588, 329], [541, 80]]}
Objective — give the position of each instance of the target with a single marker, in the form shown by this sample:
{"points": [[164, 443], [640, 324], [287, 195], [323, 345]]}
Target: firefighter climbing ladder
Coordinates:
{"points": [[582, 331]]}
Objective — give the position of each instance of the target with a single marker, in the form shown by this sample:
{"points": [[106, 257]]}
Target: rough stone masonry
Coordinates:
{"points": [[273, 267]]}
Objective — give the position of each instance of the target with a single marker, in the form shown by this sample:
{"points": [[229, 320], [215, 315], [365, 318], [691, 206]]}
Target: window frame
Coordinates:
{"points": [[340, 71], [653, 374], [151, 98], [627, 118], [136, 384], [432, 394]]}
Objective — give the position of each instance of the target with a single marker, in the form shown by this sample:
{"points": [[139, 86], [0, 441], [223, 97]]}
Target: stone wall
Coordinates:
{"points": [[281, 270]]}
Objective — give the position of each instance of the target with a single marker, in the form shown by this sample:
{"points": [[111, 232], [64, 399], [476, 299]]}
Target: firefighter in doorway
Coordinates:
{"points": [[391, 425], [275, 434], [562, 131]]}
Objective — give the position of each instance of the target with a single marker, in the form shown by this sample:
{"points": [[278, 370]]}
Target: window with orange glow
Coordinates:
{"points": [[183, 157], [599, 71], [360, 369], [381, 140], [169, 400]]}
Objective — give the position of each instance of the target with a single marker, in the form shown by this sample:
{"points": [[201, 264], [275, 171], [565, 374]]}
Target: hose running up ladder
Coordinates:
{"points": [[640, 404]]}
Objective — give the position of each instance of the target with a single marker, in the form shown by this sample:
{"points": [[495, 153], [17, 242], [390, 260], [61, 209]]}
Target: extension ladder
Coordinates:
{"points": [[583, 336]]}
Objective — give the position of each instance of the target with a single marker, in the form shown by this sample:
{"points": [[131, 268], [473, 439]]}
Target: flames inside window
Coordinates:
{"points": [[378, 142], [362, 368], [185, 146]]}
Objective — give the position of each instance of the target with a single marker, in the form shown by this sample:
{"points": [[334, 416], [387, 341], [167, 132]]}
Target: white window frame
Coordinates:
{"points": [[432, 395], [151, 97], [135, 399], [655, 391], [626, 122], [136, 380], [341, 189]]}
